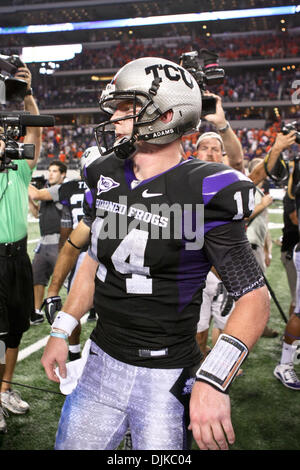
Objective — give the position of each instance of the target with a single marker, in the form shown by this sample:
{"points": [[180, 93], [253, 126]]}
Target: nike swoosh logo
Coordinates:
{"points": [[146, 194]]}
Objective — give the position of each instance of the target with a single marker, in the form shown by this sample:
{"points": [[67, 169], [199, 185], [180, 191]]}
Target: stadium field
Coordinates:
{"points": [[265, 414]]}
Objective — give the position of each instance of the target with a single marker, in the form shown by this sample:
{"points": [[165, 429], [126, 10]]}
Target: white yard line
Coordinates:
{"points": [[40, 343], [32, 348], [33, 241], [275, 211], [272, 225]]}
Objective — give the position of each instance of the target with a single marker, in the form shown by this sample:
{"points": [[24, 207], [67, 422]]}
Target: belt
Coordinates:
{"points": [[14, 248]]}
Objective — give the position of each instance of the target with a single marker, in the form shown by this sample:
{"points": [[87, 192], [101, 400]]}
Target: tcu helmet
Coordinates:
{"points": [[154, 86]]}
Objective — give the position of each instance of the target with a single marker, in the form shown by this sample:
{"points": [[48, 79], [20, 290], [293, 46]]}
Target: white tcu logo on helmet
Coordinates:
{"points": [[105, 184]]}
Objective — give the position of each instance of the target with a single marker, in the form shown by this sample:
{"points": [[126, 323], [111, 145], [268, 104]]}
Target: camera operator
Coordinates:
{"points": [[16, 285], [229, 149]]}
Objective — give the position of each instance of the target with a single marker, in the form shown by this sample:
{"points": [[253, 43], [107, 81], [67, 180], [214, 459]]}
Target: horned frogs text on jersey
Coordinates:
{"points": [[155, 242]]}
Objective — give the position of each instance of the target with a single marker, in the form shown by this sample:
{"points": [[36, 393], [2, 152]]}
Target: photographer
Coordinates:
{"points": [[266, 166], [229, 149], [16, 285]]}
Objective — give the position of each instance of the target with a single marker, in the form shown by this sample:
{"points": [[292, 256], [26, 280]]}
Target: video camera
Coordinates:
{"points": [[289, 127], [14, 127], [12, 88], [209, 74], [38, 182]]}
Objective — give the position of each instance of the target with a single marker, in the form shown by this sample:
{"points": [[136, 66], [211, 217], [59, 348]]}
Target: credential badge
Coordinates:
{"points": [[106, 184]]}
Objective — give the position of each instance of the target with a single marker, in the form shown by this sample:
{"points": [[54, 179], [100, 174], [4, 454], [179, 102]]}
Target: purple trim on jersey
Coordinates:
{"points": [[196, 264], [65, 202], [130, 176], [214, 223], [88, 195], [214, 183]]}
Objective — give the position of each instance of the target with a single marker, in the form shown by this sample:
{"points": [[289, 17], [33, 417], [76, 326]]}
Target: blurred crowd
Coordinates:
{"points": [[248, 86], [260, 46], [67, 143]]}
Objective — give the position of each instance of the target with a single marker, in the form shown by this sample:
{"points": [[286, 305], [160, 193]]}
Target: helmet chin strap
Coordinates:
{"points": [[125, 148]]}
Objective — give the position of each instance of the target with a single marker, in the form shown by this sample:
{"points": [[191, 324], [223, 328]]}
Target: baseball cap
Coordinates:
{"points": [[210, 135]]}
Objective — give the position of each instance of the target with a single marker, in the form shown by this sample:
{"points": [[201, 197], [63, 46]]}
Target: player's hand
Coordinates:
{"points": [[210, 419], [52, 305], [55, 354]]}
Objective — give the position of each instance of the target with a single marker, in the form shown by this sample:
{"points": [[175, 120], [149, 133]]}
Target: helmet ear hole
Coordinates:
{"points": [[167, 116]]}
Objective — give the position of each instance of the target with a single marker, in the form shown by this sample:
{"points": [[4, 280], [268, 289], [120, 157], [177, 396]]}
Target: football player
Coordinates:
{"points": [[49, 213], [71, 196], [160, 223]]}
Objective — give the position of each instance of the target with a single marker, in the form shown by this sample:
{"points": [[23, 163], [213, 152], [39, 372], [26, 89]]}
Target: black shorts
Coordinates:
{"points": [[16, 290]]}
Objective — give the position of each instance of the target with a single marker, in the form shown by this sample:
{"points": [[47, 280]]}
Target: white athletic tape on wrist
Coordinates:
{"points": [[223, 362], [65, 322]]}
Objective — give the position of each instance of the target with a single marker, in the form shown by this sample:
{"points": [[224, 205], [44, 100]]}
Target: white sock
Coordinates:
{"points": [[287, 353], [74, 348]]}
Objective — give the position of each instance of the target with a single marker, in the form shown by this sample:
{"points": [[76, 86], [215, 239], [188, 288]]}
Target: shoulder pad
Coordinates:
{"points": [[89, 156], [228, 195], [219, 180]]}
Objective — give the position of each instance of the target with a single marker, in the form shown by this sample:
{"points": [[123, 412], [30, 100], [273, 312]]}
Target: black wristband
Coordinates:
{"points": [[29, 92], [71, 243]]}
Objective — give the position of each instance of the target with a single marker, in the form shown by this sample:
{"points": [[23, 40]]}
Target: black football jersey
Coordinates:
{"points": [[71, 194], [155, 241]]}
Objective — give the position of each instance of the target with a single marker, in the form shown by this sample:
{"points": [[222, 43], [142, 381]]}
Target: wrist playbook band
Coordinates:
{"points": [[222, 363], [64, 322]]}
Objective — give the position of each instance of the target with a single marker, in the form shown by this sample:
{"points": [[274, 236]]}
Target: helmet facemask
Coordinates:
{"points": [[105, 132]]}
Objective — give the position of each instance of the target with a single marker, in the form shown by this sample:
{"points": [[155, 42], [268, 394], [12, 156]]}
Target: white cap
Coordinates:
{"points": [[210, 135]]}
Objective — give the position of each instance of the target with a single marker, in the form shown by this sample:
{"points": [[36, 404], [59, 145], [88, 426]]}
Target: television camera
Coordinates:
{"points": [[13, 128], [208, 74]]}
